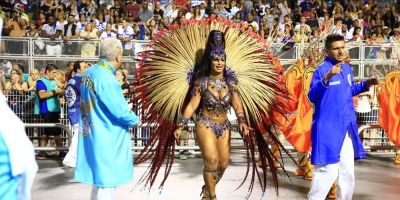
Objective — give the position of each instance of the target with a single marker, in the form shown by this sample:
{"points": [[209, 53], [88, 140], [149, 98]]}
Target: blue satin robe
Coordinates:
{"points": [[104, 146], [334, 114]]}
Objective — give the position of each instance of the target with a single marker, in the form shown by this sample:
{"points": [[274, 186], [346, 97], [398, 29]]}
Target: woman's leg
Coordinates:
{"points": [[208, 145], [223, 146]]}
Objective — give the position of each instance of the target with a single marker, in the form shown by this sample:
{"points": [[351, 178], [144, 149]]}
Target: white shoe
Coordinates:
{"points": [[68, 163]]}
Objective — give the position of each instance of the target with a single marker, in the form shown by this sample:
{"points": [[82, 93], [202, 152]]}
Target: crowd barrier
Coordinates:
{"points": [[22, 103], [367, 60]]}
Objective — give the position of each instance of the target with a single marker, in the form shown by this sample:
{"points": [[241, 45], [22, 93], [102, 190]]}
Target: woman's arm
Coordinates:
{"points": [[190, 109]]}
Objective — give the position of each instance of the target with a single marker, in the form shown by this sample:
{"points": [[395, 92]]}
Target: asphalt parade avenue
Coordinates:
{"points": [[377, 178]]}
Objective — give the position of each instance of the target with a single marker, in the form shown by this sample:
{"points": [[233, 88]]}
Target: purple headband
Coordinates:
{"points": [[217, 46]]}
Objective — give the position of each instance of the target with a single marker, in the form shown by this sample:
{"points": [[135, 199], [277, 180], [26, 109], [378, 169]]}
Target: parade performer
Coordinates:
{"points": [[203, 68], [72, 94], [17, 157], [104, 157], [388, 93], [334, 135]]}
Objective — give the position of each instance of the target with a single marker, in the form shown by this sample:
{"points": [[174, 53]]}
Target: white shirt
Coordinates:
{"points": [[125, 33], [51, 30], [105, 35]]}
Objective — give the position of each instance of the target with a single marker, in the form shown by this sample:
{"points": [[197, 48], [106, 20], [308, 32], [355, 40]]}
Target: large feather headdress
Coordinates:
{"points": [[164, 80]]}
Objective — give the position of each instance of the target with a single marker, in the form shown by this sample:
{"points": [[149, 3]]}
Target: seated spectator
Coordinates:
{"points": [[33, 77], [88, 8], [284, 10], [233, 8], [117, 7], [42, 19], [89, 33], [251, 21], [122, 78], [73, 10], [302, 24], [196, 14], [348, 36], [288, 40], [171, 12], [48, 7], [315, 34], [301, 37], [15, 90], [81, 23], [270, 18], [60, 79], [126, 34], [313, 21], [51, 31], [157, 9], [357, 35], [61, 20], [238, 17], [13, 27], [131, 7], [107, 15], [32, 30], [98, 23], [338, 26], [347, 20], [108, 33], [70, 32], [145, 14], [220, 10]]}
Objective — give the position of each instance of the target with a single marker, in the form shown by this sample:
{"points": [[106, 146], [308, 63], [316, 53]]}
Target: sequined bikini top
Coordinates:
{"points": [[212, 103]]}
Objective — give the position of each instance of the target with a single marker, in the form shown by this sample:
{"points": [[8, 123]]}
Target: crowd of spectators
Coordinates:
{"points": [[296, 21], [286, 21]]}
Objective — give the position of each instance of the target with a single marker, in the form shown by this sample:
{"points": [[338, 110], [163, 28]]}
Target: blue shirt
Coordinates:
{"points": [[104, 157], [42, 103], [334, 114]]}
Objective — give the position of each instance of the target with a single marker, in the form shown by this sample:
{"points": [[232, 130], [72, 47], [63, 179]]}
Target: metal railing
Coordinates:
{"points": [[51, 125]]}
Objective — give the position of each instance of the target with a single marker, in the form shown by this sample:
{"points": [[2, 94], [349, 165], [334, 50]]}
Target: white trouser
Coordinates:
{"points": [[325, 175], [53, 50], [99, 193], [70, 158]]}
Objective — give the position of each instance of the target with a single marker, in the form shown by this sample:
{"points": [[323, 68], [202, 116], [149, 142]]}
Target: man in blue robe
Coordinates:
{"points": [[334, 135], [104, 157]]}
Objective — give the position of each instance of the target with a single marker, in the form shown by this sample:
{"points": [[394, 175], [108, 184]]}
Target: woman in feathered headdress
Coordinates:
{"points": [[214, 91], [203, 68]]}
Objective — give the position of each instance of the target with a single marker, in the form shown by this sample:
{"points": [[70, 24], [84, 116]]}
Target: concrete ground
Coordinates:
{"points": [[377, 178]]}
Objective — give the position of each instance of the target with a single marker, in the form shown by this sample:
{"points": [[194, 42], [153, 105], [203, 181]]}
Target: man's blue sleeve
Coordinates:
{"points": [[317, 87]]}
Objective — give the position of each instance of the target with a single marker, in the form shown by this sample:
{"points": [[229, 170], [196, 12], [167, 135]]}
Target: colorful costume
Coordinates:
{"points": [[389, 100], [104, 146], [166, 77], [73, 96]]}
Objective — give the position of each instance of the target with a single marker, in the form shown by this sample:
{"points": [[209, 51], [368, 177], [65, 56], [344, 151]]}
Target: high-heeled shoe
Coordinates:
{"points": [[204, 193]]}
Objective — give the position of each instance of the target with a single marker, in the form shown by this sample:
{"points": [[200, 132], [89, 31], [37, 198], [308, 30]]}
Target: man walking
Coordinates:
{"points": [[104, 146], [334, 135]]}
